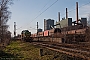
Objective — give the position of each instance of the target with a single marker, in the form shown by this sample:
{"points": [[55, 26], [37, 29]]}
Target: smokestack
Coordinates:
{"points": [[77, 12], [66, 14], [37, 26], [58, 16], [14, 29]]}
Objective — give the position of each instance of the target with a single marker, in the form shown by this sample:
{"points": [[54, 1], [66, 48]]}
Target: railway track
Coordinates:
{"points": [[70, 49], [75, 46]]}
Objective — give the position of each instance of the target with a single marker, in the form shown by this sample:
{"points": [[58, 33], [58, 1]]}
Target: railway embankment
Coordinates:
{"points": [[24, 50]]}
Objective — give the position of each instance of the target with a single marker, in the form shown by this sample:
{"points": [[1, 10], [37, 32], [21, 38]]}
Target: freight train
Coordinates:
{"points": [[61, 35]]}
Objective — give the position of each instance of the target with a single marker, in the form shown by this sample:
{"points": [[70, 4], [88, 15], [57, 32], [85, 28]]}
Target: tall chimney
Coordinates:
{"points": [[14, 29], [66, 14], [77, 12], [58, 16]]}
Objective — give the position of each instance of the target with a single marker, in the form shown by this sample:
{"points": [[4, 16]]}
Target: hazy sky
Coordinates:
{"points": [[25, 12]]}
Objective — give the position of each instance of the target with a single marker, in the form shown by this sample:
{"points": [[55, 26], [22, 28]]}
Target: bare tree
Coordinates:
{"points": [[4, 17]]}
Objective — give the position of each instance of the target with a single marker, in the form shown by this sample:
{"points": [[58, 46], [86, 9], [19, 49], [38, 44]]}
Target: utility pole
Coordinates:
{"points": [[14, 29]]}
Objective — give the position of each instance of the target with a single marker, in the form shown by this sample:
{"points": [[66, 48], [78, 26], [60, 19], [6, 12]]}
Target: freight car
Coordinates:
{"points": [[48, 35], [63, 35], [47, 32], [26, 36], [77, 31]]}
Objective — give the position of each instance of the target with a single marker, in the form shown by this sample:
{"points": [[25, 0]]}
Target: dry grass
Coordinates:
{"points": [[24, 50]]}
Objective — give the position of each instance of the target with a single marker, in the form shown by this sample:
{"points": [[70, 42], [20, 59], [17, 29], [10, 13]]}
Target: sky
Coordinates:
{"points": [[26, 13]]}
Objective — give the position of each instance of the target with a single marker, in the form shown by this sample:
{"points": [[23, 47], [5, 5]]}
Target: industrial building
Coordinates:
{"points": [[84, 21], [39, 30], [68, 22], [64, 23], [48, 23]]}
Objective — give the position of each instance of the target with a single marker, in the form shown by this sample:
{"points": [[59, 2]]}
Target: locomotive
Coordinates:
{"points": [[26, 36]]}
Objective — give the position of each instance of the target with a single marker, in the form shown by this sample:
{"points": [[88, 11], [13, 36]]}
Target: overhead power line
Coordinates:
{"points": [[80, 6], [51, 6], [75, 8], [32, 28], [44, 6], [42, 12]]}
